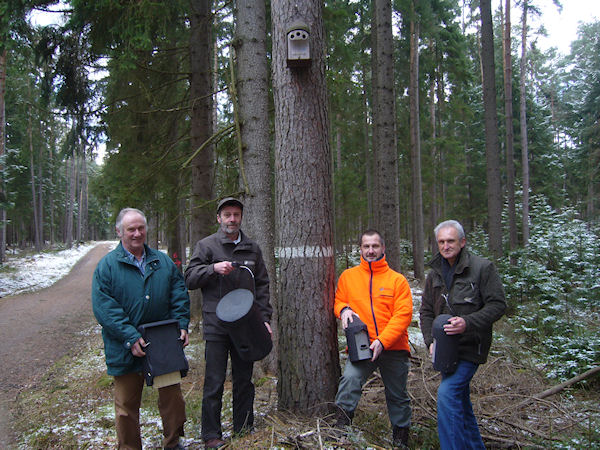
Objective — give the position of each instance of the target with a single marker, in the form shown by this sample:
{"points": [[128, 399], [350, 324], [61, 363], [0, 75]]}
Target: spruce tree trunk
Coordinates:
{"points": [[492, 146], [36, 219], [83, 197], [308, 366], [415, 153], [523, 125], [51, 177], [252, 89], [40, 195], [433, 186], [71, 168], [387, 209], [201, 103], [508, 123], [367, 149]]}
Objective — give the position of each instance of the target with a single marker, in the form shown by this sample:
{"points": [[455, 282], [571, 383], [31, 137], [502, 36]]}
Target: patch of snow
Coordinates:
{"points": [[34, 272]]}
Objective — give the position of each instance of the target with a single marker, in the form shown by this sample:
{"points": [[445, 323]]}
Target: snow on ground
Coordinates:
{"points": [[30, 273]]}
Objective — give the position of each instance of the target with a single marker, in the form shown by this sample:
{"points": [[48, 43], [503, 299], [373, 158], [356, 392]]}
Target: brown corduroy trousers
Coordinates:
{"points": [[128, 398]]}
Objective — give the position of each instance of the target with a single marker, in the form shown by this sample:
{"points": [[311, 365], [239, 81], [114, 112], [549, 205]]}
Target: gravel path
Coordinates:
{"points": [[39, 328]]}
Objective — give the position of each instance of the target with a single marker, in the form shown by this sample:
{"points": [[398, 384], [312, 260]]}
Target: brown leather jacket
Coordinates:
{"points": [[200, 274], [476, 294]]}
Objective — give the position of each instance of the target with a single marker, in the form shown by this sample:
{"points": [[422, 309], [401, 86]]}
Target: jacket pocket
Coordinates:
{"points": [[466, 296]]}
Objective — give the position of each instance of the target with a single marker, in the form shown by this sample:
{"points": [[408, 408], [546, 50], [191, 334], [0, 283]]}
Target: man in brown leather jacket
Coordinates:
{"points": [[469, 289], [214, 268]]}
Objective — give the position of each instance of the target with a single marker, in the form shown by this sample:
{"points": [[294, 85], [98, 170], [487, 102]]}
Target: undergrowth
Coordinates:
{"points": [[72, 407]]}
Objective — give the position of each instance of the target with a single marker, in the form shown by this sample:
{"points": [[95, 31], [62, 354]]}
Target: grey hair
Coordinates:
{"points": [[450, 223], [119, 222]]}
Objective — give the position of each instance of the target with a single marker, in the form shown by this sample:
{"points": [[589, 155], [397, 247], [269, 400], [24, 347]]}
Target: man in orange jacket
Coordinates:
{"points": [[381, 298]]}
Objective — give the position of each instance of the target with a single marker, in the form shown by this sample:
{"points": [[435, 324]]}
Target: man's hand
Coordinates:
{"points": [[377, 348], [138, 348], [456, 325], [269, 328], [223, 267], [346, 316], [183, 337]]}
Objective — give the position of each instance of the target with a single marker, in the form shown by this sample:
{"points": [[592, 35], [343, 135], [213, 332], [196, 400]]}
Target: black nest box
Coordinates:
{"points": [[241, 316], [164, 352], [357, 337], [445, 347]]}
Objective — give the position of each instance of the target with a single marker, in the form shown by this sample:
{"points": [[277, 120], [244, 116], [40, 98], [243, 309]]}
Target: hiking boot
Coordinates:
{"points": [[400, 437], [343, 418], [214, 443]]}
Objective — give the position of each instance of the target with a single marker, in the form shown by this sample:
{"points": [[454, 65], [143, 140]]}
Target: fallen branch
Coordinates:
{"points": [[525, 429], [559, 387], [512, 442]]}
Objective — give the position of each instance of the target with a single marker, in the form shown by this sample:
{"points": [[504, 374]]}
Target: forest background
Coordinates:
{"points": [[406, 113]]}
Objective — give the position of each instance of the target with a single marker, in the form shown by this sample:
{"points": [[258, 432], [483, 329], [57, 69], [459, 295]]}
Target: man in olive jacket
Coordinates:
{"points": [[468, 288], [220, 264], [133, 285]]}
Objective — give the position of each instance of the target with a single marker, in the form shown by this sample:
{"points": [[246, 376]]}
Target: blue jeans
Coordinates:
{"points": [[457, 426], [393, 367]]}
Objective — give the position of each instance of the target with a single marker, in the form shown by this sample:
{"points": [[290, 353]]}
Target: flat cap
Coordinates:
{"points": [[229, 201]]}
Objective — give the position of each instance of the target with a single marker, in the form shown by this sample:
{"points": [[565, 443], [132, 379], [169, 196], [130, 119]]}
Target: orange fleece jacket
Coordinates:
{"points": [[382, 299]]}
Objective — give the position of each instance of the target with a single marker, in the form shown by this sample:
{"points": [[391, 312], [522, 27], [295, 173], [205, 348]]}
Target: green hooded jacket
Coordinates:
{"points": [[123, 299]]}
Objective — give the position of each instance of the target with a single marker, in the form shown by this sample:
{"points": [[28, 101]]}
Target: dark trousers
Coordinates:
{"points": [[215, 355], [128, 398]]}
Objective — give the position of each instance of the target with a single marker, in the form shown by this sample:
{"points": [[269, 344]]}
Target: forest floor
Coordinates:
{"points": [[54, 391]]}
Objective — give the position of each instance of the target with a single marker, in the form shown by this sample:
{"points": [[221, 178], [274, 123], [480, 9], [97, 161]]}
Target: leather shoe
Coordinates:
{"points": [[214, 443]]}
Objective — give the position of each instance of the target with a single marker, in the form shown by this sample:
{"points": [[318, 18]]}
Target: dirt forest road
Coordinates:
{"points": [[39, 328]]}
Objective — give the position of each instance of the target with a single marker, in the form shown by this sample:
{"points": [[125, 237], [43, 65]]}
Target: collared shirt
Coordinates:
{"points": [[239, 238], [139, 263]]}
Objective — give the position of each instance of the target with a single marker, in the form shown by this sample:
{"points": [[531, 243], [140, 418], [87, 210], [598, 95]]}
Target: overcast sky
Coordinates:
{"points": [[560, 26]]}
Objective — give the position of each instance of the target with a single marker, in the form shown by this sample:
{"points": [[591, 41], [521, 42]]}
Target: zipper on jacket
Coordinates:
{"points": [[371, 298]]}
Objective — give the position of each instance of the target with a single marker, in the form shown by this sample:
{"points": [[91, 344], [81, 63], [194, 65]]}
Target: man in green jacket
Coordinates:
{"points": [[469, 289], [133, 285]]}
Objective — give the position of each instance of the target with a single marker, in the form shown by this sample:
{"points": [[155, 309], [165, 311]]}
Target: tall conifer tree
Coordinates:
{"points": [[307, 328]]}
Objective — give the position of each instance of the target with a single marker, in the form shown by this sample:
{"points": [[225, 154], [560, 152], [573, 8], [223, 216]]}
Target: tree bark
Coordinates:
{"points": [[523, 125], [387, 209], [415, 151], [308, 367], [492, 146], [253, 95], [201, 102]]}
